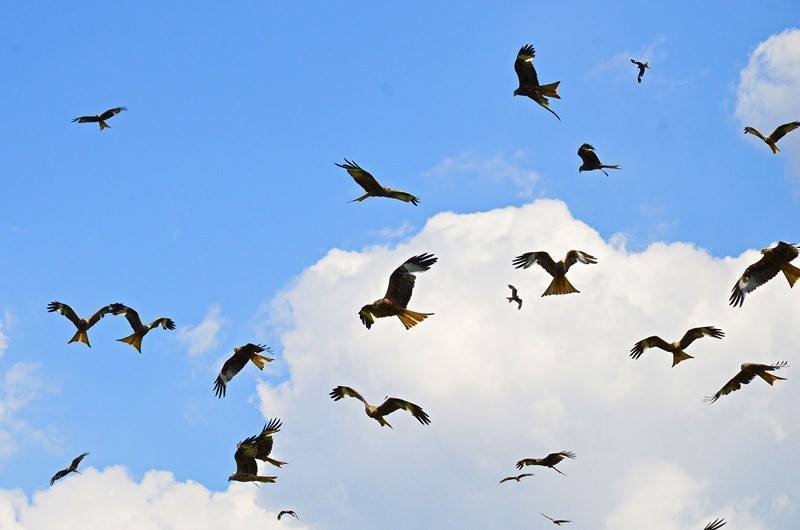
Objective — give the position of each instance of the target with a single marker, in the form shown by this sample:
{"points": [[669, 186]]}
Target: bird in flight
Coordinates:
{"points": [[372, 187], [557, 522], [514, 297], [390, 405], [747, 373], [139, 329], [590, 160], [83, 324], [263, 442], [237, 361], [773, 261], [248, 450], [287, 512], [676, 348], [560, 283], [549, 461], [529, 81], [517, 477], [776, 135], [100, 118], [642, 67], [716, 524], [398, 294], [73, 468]]}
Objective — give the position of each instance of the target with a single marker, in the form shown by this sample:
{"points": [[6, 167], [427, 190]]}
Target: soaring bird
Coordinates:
{"points": [[590, 160], [100, 118], [642, 67], [263, 442], [549, 461], [716, 524], [676, 348], [747, 373], [372, 187], [246, 453], [287, 512], [398, 294], [82, 324], [514, 297], [517, 477], [776, 135], [773, 261], [73, 468], [560, 283], [242, 354], [529, 81], [390, 405], [557, 522], [139, 329]]}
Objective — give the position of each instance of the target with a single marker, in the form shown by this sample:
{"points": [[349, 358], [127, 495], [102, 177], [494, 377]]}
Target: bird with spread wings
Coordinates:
{"points": [[529, 80], [747, 373], [549, 461], [773, 260], [139, 329], [73, 468], [372, 187], [642, 66], [590, 161], [237, 361], [252, 448], [390, 405], [82, 324], [560, 283], [514, 297], [557, 522], [676, 348], [287, 512], [516, 477], [100, 118], [776, 135], [398, 294]]}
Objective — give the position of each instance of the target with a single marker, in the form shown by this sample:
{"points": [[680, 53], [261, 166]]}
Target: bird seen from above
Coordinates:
{"points": [[100, 118], [73, 468], [287, 512], [139, 329], [82, 324], [246, 453], [390, 405], [716, 524], [642, 67], [549, 461], [747, 373], [676, 348], [514, 297], [398, 294], [776, 135], [237, 361], [529, 80], [557, 522], [516, 477], [560, 283], [372, 187], [773, 260], [590, 160]]}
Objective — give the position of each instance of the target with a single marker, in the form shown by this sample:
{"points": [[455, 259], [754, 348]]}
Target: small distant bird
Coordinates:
{"points": [[237, 361], [776, 135], [642, 67], [676, 348], [773, 261], [139, 329], [590, 160], [73, 468], [560, 283], [549, 461], [390, 405], [287, 512], [372, 187], [747, 373], [514, 297], [100, 118], [557, 522], [517, 477], [529, 81], [82, 324], [398, 294], [246, 453], [716, 524]]}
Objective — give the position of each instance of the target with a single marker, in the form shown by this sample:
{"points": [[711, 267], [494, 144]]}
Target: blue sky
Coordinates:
{"points": [[218, 185]]}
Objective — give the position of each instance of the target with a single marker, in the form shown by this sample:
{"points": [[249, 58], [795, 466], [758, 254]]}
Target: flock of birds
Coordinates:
{"points": [[395, 301]]}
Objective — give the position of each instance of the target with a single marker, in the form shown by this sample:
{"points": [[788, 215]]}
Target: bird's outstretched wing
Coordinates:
{"points": [[716, 524], [232, 366], [110, 113], [362, 177], [650, 342], [403, 196], [86, 119], [165, 323], [100, 313], [587, 154], [58, 476], [392, 404], [754, 277], [65, 310], [287, 512], [264, 441], [747, 373], [513, 291], [698, 333], [130, 315], [401, 282], [76, 462], [523, 65], [523, 261], [245, 456], [574, 256], [781, 131], [341, 392]]}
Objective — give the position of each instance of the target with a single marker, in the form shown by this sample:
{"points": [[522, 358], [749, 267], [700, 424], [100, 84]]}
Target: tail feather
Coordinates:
{"points": [[774, 147], [771, 378], [680, 356], [103, 125], [359, 199], [134, 340], [259, 478], [259, 360], [611, 166], [276, 463], [792, 274], [80, 336], [560, 285], [550, 90], [411, 318]]}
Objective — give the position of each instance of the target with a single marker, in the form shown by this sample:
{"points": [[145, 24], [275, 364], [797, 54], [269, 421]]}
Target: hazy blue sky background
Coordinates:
{"points": [[218, 184]]}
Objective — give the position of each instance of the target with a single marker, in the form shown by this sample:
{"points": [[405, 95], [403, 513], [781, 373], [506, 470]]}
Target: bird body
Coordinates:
{"points": [[82, 324], [747, 373], [237, 361], [139, 329], [529, 80], [100, 119], [256, 448], [372, 187], [73, 468], [514, 297], [560, 284], [389, 405], [642, 67], [676, 348], [549, 461], [776, 135], [773, 260], [590, 161]]}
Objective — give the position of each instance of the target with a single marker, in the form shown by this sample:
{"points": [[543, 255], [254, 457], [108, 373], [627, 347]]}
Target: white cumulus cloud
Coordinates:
{"points": [[205, 335]]}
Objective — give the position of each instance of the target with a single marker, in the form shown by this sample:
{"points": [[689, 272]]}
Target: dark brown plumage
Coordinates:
{"points": [[557, 522], [517, 477], [549, 461], [287, 512], [390, 405], [139, 329], [82, 324], [642, 67], [100, 118], [747, 373], [560, 283], [237, 361], [252, 448], [590, 160], [529, 80], [776, 135], [372, 187], [773, 261], [73, 468], [676, 348], [716, 524], [514, 297]]}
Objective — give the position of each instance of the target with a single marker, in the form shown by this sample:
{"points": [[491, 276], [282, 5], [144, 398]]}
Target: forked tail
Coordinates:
{"points": [[134, 340], [774, 147], [103, 125], [770, 378], [550, 90], [411, 318], [792, 274], [80, 336], [560, 285], [259, 360], [680, 356]]}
